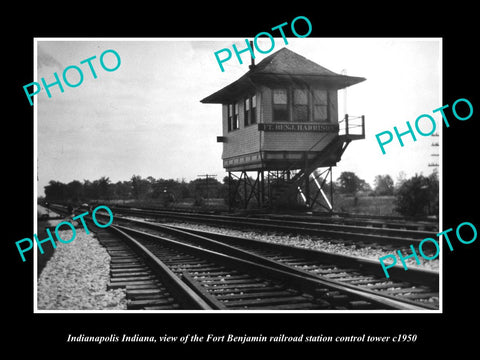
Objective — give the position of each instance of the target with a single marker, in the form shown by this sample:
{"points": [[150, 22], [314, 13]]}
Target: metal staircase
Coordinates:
{"points": [[308, 183]]}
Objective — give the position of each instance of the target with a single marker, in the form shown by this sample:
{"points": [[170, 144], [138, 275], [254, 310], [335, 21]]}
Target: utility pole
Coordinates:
{"points": [[436, 154], [207, 176]]}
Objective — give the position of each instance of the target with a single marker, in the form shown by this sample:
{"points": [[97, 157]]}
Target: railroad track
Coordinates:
{"points": [[374, 236], [371, 221], [229, 282], [358, 220], [416, 287], [149, 284], [236, 273]]}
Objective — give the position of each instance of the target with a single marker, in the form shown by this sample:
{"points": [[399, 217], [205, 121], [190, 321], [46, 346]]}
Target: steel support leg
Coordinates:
{"points": [[307, 182]]}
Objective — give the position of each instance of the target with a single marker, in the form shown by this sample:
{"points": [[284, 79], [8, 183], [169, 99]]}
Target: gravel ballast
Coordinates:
{"points": [[76, 277], [305, 241]]}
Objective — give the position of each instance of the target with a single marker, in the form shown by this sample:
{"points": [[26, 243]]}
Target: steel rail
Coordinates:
{"points": [[235, 246], [181, 292], [294, 279], [300, 278], [357, 233], [414, 275]]}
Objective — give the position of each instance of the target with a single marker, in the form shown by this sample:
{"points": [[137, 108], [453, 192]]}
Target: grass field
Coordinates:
{"points": [[370, 205]]}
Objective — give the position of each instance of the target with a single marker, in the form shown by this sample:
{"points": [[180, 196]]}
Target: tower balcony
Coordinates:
{"points": [[352, 128]]}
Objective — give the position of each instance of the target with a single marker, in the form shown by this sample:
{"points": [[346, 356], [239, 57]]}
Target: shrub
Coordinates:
{"points": [[418, 196]]}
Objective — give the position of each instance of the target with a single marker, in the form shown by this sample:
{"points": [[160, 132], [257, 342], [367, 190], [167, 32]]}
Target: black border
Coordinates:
{"points": [[46, 332]]}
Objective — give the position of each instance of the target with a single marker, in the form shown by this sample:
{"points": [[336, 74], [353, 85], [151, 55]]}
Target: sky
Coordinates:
{"points": [[145, 118]]}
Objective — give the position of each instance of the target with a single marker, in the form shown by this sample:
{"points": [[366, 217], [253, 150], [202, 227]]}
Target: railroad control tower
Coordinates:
{"points": [[281, 133]]}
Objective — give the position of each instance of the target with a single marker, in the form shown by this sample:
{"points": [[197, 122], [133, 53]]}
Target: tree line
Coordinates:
{"points": [[415, 196], [137, 188]]}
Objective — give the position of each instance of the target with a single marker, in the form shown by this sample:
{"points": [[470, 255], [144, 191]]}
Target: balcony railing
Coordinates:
{"points": [[352, 127]]}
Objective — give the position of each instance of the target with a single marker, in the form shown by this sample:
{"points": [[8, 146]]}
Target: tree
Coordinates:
{"points": [[349, 183], [122, 190], [401, 178], [184, 191], [206, 188], [433, 193], [383, 185], [74, 190], [103, 187], [55, 191], [418, 196], [90, 190], [140, 187], [158, 187]]}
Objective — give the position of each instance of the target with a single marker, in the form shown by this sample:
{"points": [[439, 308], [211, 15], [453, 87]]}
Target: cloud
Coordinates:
{"points": [[46, 60]]}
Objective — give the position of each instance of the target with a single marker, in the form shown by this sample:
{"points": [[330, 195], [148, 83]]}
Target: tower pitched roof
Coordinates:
{"points": [[281, 67], [287, 62]]}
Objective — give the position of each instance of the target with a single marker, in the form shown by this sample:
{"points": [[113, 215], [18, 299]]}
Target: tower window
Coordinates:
{"points": [[280, 105], [235, 124], [253, 119], [320, 105], [246, 114], [250, 115], [300, 105], [230, 117]]}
